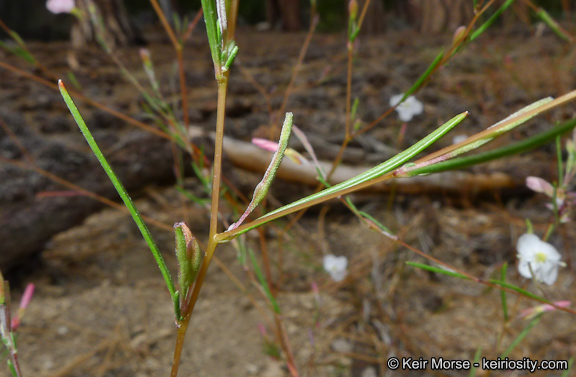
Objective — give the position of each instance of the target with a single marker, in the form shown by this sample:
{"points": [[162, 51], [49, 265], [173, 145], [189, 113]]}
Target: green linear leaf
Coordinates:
{"points": [[368, 175], [503, 292], [519, 290], [438, 270], [121, 191], [522, 146]]}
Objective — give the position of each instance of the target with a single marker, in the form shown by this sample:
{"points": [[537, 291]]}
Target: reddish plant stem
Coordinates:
{"points": [[87, 100], [295, 71]]}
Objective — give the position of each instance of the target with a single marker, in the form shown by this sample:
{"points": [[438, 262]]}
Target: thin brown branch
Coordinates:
{"points": [[87, 100], [295, 71]]}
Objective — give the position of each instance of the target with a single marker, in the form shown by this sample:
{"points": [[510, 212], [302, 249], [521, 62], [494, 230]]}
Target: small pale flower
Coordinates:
{"points": [[533, 312], [60, 6], [564, 200], [539, 185], [407, 109], [336, 267], [538, 258]]}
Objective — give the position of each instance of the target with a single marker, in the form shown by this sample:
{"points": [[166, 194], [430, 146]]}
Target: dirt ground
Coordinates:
{"points": [[101, 308]]}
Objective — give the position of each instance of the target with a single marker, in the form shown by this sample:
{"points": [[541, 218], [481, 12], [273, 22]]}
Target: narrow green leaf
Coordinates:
{"points": [[368, 175], [519, 290], [552, 24], [491, 20], [176, 305], [121, 191], [387, 231], [210, 17], [13, 369], [437, 270], [2, 294], [476, 360], [424, 76], [499, 131], [263, 282], [354, 108], [230, 58], [73, 80], [21, 51], [522, 146], [503, 292], [193, 198]]}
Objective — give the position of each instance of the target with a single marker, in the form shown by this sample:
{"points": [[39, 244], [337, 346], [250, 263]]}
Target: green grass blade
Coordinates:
{"points": [[438, 270], [121, 191]]}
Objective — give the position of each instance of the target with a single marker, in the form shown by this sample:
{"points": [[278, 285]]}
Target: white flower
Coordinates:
{"points": [[60, 6], [539, 258], [336, 267], [407, 109]]}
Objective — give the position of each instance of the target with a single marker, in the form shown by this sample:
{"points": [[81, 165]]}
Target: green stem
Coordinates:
{"points": [[191, 302]]}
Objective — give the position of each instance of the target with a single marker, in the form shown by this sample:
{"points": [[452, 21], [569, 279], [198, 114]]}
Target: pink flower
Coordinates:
{"points": [[532, 312], [60, 6], [272, 147], [540, 185], [26, 298]]}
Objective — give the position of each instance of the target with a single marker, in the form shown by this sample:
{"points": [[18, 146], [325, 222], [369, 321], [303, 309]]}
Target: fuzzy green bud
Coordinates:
{"points": [[353, 9]]}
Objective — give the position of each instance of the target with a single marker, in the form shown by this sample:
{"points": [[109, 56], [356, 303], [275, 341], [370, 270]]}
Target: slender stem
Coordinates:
{"points": [[296, 69], [183, 90], [283, 335], [179, 57], [217, 167], [218, 147], [192, 26], [87, 100], [166, 24], [348, 92], [364, 10]]}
